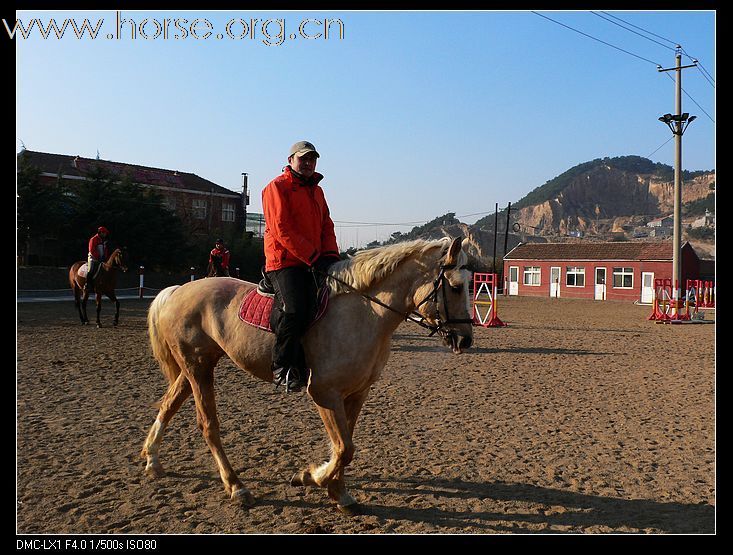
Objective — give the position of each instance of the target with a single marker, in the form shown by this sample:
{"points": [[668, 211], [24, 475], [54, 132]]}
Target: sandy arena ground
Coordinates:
{"points": [[580, 417]]}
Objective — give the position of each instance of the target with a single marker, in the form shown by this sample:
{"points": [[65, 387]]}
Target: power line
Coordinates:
{"points": [[641, 29], [704, 71], [599, 40], [632, 31], [421, 222], [660, 146], [693, 100], [627, 52]]}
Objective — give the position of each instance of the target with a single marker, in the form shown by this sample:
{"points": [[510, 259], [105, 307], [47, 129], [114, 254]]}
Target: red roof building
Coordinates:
{"points": [[620, 271], [205, 207]]}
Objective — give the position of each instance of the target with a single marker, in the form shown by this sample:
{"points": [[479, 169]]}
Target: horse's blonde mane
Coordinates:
{"points": [[370, 266]]}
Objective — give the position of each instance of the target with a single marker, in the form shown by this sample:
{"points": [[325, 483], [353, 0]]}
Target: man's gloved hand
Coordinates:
{"points": [[320, 269], [324, 263]]}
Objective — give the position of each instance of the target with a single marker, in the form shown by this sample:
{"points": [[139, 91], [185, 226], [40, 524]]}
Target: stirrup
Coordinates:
{"points": [[289, 377]]}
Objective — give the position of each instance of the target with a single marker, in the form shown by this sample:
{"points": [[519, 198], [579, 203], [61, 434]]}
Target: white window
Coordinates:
{"points": [[623, 278], [531, 275], [574, 276], [228, 210], [199, 209]]}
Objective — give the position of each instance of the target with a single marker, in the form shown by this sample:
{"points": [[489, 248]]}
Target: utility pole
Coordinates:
{"points": [[676, 124]]}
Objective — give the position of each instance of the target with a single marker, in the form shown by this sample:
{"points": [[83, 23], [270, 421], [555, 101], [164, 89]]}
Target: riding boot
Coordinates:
{"points": [[295, 379]]}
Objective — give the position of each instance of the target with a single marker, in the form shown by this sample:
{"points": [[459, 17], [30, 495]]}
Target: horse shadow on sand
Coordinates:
{"points": [[577, 511]]}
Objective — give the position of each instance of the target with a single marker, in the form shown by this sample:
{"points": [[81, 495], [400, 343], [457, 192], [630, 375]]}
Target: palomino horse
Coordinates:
{"points": [[104, 284], [192, 326]]}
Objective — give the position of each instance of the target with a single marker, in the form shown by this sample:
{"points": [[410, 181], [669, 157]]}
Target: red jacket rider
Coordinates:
{"points": [[298, 228], [222, 253], [98, 250]]}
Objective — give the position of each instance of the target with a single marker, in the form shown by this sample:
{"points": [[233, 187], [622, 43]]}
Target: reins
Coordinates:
{"points": [[433, 295]]}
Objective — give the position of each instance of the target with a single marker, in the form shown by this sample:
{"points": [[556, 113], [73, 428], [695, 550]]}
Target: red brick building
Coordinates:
{"points": [[206, 208], [620, 271]]}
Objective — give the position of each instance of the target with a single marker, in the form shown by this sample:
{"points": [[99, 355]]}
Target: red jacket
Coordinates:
{"points": [[98, 248], [298, 226], [223, 254]]}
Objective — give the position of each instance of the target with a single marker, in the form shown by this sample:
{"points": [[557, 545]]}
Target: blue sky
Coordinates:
{"points": [[415, 114]]}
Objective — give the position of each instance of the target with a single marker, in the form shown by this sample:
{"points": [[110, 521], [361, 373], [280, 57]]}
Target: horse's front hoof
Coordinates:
{"points": [[243, 498], [353, 509], [301, 479], [154, 471], [114, 323], [99, 325]]}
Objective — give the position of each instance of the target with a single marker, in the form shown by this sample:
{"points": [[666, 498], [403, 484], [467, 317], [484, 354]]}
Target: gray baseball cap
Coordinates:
{"points": [[302, 147]]}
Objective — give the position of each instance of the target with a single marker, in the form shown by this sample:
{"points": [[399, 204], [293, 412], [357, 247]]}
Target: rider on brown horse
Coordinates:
{"points": [[219, 258], [98, 253]]}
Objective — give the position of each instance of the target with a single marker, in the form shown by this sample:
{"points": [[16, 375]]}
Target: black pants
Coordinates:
{"points": [[295, 292]]}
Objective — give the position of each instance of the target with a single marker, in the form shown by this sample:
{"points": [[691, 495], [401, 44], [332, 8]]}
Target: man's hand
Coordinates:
{"points": [[320, 269]]}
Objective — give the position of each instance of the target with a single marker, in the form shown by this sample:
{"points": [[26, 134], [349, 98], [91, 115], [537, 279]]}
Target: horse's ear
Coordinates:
{"points": [[453, 252]]}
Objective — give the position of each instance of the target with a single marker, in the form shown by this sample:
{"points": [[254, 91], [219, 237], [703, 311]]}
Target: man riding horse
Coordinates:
{"points": [[98, 253], [299, 238], [219, 259]]}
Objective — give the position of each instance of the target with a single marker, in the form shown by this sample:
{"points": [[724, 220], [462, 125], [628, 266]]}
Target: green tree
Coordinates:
{"points": [[43, 209]]}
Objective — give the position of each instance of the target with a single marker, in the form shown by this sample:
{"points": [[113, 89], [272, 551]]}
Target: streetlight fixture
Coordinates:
{"points": [[678, 129]]}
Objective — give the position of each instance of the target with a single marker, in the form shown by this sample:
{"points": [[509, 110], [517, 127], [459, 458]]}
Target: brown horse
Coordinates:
{"points": [[192, 326], [104, 284]]}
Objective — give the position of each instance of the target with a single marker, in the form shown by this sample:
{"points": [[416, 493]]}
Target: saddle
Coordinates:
{"points": [[261, 309], [84, 270]]}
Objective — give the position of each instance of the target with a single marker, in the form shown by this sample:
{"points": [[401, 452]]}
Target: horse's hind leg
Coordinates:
{"points": [[177, 393], [77, 302], [84, 316], [202, 384]]}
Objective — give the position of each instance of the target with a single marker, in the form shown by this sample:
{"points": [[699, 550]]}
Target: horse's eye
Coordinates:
{"points": [[457, 288]]}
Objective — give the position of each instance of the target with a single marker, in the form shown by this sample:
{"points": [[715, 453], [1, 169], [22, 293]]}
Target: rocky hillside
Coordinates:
{"points": [[607, 195]]}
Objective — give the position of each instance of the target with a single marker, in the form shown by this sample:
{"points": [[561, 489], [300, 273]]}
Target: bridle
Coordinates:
{"points": [[414, 315], [439, 284]]}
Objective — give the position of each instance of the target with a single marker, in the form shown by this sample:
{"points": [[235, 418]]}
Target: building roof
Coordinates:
{"points": [[615, 250], [77, 166]]}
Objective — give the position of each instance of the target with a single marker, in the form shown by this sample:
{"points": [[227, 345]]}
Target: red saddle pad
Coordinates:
{"points": [[256, 308]]}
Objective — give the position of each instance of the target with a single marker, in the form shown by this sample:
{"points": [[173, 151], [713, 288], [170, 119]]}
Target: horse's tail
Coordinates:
{"points": [[161, 350]]}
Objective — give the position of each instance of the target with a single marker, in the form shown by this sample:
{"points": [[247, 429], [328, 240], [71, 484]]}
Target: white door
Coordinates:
{"points": [[514, 280], [647, 287], [555, 282], [600, 293]]}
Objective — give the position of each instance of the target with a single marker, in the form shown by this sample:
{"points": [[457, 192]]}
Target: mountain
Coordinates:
{"points": [[606, 195]]}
